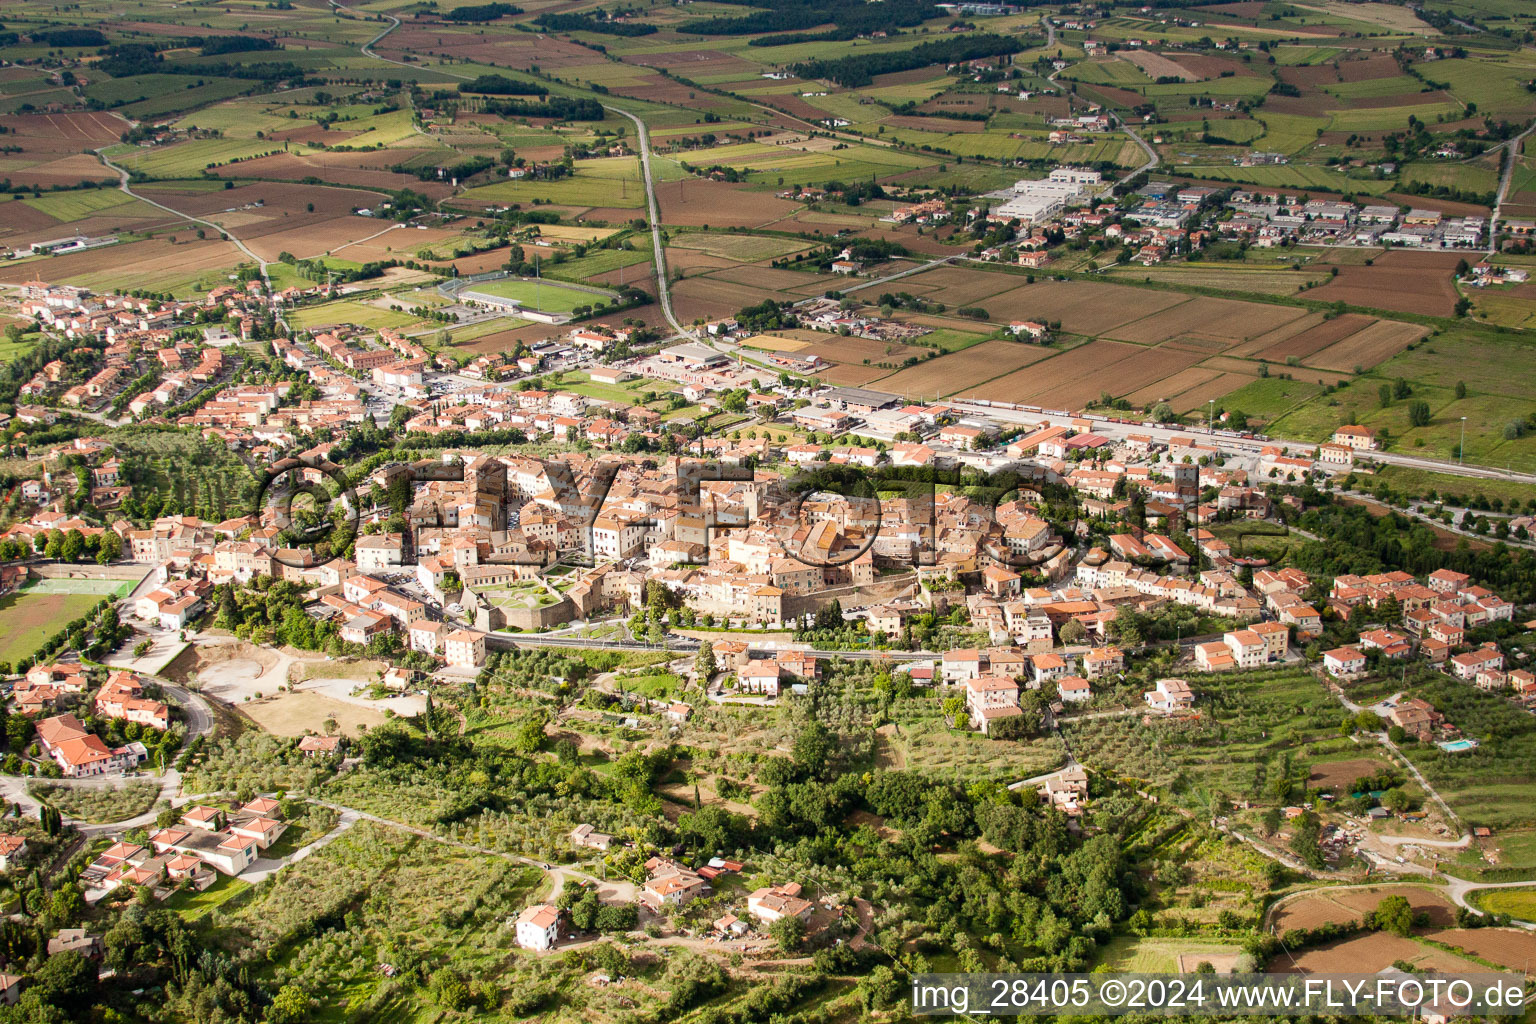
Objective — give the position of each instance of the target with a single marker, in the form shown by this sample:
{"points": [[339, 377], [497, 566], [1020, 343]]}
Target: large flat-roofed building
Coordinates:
{"points": [[693, 355], [860, 400]]}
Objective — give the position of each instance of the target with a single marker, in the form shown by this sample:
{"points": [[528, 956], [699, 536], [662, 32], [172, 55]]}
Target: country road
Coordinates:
{"points": [[1512, 148], [123, 178], [663, 287]]}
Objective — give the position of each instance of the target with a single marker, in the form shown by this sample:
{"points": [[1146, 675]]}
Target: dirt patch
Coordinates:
{"points": [[1341, 775], [1514, 948], [1367, 954], [294, 714], [719, 204]]}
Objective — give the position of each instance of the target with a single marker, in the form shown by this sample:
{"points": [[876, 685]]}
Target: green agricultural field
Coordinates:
{"points": [[1496, 85], [613, 181], [1129, 953], [1288, 133], [545, 296], [1302, 176], [347, 311], [1517, 903], [1269, 398], [1107, 72], [188, 159], [1376, 119], [1275, 279], [1394, 85], [595, 263], [1451, 488], [79, 204], [1471, 177]]}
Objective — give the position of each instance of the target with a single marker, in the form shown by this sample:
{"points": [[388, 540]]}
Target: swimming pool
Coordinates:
{"points": [[1457, 746]]}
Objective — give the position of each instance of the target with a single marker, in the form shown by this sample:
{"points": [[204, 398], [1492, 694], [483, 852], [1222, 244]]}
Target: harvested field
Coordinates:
{"points": [[770, 277], [1514, 948], [836, 349], [1171, 386], [1083, 307], [702, 297], [64, 170], [63, 133], [1414, 282], [966, 368], [1345, 906], [1072, 379], [850, 375], [154, 263], [1367, 954], [935, 124], [1224, 320], [1316, 338], [1380, 341], [1158, 66], [953, 286], [720, 204]]}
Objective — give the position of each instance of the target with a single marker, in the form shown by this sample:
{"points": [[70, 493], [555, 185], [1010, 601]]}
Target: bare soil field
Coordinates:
{"points": [[331, 167], [1315, 339], [1366, 348], [700, 296], [1367, 954], [294, 714], [1226, 320], [63, 133], [721, 204], [850, 375], [951, 285], [1414, 282], [1448, 207], [1209, 66], [1514, 948], [935, 124], [63, 170], [1083, 307], [1168, 387], [1344, 906], [1070, 380], [154, 258], [770, 277], [966, 368], [1340, 775]]}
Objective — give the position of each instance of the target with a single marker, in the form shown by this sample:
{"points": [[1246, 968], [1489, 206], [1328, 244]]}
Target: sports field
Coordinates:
{"points": [[36, 612], [544, 296]]}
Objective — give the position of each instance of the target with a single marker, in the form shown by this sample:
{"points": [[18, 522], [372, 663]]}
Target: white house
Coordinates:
{"points": [[538, 927]]}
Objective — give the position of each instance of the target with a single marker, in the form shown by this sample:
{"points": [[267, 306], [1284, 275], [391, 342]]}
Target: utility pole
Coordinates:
{"points": [[1461, 449]]}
